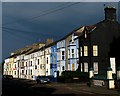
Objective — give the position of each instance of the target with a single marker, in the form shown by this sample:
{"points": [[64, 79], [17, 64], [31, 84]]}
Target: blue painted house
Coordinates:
{"points": [[73, 54], [53, 60], [61, 56]]}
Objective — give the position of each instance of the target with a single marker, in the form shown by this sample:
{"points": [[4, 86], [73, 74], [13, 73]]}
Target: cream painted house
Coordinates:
{"points": [[47, 60], [6, 67]]}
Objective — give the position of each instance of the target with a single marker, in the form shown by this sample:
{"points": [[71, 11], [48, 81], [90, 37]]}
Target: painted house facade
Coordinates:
{"points": [[47, 60], [53, 60], [73, 50], [6, 70], [32, 62], [95, 43], [88, 46], [61, 56]]}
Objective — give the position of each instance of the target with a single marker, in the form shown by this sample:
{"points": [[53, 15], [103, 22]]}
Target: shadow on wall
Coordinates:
{"points": [[115, 50]]}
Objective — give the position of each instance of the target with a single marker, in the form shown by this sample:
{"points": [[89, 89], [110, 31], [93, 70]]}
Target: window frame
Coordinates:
{"points": [[96, 70], [81, 51], [85, 67], [72, 53], [63, 55], [95, 50], [85, 50]]}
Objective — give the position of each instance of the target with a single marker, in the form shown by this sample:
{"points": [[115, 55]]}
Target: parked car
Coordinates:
{"points": [[7, 76], [42, 79]]}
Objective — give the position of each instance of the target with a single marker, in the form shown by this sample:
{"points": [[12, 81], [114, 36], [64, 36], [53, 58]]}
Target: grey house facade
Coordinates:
{"points": [[99, 43]]}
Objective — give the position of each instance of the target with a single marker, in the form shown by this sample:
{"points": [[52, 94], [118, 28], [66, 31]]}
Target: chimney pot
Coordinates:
{"points": [[110, 13]]}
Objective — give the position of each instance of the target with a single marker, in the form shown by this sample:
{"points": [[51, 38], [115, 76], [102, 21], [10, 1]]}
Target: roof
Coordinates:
{"points": [[46, 46], [79, 32], [34, 48], [26, 50]]}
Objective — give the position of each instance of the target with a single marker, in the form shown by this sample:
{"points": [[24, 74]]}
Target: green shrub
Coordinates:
{"points": [[73, 74]]}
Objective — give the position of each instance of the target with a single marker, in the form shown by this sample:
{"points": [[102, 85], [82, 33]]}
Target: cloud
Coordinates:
{"points": [[46, 26]]}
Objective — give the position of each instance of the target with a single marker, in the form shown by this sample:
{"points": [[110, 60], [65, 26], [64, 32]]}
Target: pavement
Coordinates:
{"points": [[83, 88], [30, 87]]}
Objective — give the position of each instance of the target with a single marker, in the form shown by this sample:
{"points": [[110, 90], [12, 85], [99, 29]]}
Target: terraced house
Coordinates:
{"points": [[98, 45], [93, 46]]}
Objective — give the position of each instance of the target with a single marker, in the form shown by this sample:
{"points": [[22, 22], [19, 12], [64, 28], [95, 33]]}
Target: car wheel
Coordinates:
{"points": [[38, 81]]}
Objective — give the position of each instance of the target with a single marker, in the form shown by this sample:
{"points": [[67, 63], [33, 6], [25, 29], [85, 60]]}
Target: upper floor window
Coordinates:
{"points": [[54, 59], [85, 50], [31, 72], [77, 53], [38, 61], [15, 65], [95, 50], [68, 53], [72, 53], [63, 68], [31, 63], [81, 51], [22, 71], [35, 66], [22, 64], [26, 63], [47, 60], [63, 55]]}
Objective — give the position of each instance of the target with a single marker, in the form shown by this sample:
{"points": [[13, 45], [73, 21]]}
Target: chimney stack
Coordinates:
{"points": [[49, 41], [110, 13]]}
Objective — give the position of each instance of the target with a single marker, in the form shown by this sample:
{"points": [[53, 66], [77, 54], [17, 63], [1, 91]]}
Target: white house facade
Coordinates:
{"points": [[61, 56]]}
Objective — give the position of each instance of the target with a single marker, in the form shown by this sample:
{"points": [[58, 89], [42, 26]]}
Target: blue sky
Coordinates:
{"points": [[25, 23]]}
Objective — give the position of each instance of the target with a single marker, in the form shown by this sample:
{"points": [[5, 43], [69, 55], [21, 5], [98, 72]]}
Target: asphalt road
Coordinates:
{"points": [[21, 87]]}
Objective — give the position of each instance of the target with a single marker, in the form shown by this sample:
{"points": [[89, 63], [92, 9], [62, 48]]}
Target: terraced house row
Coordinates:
{"points": [[95, 46]]}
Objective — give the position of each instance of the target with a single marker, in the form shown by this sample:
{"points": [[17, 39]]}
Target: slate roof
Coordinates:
{"points": [[26, 50]]}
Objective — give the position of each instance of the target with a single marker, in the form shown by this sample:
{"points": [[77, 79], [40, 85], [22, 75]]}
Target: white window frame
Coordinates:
{"points": [[68, 53], [47, 60], [85, 50], [95, 50], [81, 52], [77, 52], [72, 53], [85, 67], [38, 61], [95, 67], [63, 55]]}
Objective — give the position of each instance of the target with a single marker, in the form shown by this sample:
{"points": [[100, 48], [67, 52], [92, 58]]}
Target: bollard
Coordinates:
{"points": [[118, 73], [91, 73], [110, 79], [109, 73]]}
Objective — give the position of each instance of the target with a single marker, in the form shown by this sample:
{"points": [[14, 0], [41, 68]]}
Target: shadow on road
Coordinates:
{"points": [[18, 87]]}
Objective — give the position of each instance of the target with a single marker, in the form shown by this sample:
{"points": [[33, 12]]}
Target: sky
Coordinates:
{"points": [[25, 23]]}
